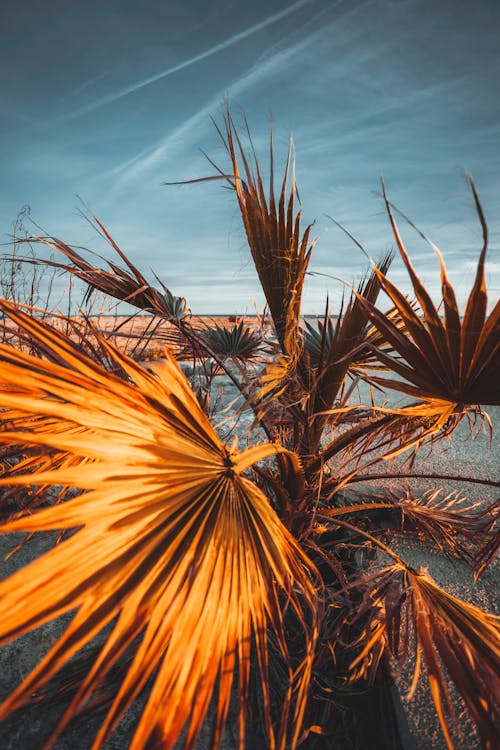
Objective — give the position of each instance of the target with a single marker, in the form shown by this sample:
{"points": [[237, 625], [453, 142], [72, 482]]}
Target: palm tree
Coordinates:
{"points": [[260, 577]]}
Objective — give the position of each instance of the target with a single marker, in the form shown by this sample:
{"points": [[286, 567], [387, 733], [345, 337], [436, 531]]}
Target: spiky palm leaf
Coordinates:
{"points": [[280, 251], [238, 342], [457, 641], [126, 284], [173, 545], [348, 338], [366, 361], [70, 335], [319, 339], [450, 364]]}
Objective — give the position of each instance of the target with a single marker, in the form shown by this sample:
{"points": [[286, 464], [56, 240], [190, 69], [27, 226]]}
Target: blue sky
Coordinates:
{"points": [[108, 99]]}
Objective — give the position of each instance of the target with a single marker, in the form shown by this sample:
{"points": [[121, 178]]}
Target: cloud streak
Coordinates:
{"points": [[149, 157], [229, 42], [267, 65]]}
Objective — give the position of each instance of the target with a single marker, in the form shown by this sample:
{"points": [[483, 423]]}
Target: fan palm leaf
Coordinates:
{"points": [[449, 363], [281, 255], [348, 336], [173, 545], [366, 360], [238, 342], [280, 249], [127, 284]]}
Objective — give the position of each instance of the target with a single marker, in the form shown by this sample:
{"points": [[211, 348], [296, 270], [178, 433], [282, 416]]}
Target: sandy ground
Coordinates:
{"points": [[459, 455]]}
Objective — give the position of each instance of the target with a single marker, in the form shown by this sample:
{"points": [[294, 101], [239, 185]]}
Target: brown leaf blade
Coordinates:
{"points": [[459, 643], [441, 360]]}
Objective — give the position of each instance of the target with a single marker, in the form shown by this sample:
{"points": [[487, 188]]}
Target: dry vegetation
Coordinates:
{"points": [[260, 579]]}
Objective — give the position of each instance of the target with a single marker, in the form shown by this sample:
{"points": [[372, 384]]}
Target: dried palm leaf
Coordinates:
{"points": [[126, 284], [281, 255], [319, 339], [450, 364], [376, 435], [366, 361], [279, 250], [458, 641], [174, 546], [348, 339], [453, 524]]}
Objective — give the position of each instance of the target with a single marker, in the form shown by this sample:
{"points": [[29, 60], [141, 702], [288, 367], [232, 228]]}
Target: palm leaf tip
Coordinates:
{"points": [[172, 546]]}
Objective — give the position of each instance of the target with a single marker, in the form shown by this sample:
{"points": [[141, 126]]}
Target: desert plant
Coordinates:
{"points": [[239, 342], [260, 576]]}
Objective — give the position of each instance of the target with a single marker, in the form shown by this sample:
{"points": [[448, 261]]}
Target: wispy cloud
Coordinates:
{"points": [[359, 125], [270, 63], [89, 83], [229, 42], [267, 65], [148, 158]]}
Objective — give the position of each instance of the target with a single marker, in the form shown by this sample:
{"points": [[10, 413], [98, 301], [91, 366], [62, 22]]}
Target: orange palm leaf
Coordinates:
{"points": [[173, 544]]}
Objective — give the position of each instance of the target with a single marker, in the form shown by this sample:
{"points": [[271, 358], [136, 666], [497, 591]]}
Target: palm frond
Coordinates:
{"points": [[457, 640], [123, 283], [452, 523], [366, 360], [174, 546], [280, 251], [338, 355], [450, 364], [237, 342], [319, 340]]}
